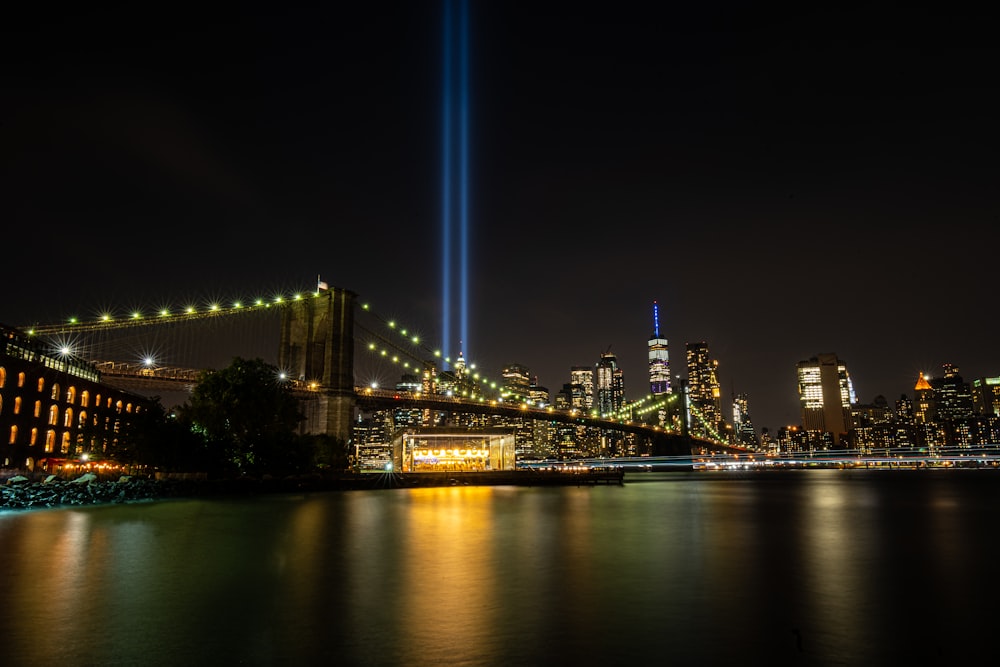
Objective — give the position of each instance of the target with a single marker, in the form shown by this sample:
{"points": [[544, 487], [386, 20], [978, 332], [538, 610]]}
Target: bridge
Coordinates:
{"points": [[320, 334]]}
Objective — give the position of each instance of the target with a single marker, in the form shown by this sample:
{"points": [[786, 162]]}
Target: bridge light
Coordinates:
{"points": [[279, 299], [136, 315], [298, 297], [374, 385], [364, 306], [416, 340], [213, 307], [189, 310], [403, 331], [392, 324], [72, 320], [383, 353], [282, 375], [105, 318], [65, 350], [259, 302], [148, 361], [437, 353], [164, 313], [395, 359], [371, 346], [237, 305]]}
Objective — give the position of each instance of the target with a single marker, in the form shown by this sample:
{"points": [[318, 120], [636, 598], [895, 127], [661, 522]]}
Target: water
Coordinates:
{"points": [[819, 567]]}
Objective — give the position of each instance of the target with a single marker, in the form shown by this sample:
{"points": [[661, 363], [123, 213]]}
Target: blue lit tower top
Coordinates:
{"points": [[659, 358]]}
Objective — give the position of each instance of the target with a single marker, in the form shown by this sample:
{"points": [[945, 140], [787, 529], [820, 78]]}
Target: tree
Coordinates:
{"points": [[247, 418]]}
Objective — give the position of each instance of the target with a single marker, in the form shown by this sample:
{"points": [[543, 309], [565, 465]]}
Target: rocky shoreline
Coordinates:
{"points": [[22, 493]]}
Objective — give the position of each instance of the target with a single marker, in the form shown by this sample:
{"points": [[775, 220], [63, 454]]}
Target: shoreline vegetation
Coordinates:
{"points": [[20, 492]]}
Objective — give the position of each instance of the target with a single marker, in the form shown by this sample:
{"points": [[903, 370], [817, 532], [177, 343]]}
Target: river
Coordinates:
{"points": [[799, 567]]}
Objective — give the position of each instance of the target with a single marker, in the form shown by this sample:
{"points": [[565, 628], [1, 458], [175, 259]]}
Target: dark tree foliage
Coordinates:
{"points": [[247, 420], [154, 437]]}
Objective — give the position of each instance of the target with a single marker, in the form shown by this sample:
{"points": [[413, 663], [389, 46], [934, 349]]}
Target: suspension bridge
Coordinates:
{"points": [[322, 341]]}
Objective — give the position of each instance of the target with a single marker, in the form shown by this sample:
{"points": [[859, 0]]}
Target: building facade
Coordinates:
{"points": [[54, 407], [659, 358], [826, 395]]}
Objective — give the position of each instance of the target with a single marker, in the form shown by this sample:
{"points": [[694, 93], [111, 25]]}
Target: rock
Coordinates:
{"points": [[85, 478], [17, 479]]}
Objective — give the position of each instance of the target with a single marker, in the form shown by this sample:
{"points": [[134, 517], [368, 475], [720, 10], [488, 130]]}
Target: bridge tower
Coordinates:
{"points": [[317, 345]]}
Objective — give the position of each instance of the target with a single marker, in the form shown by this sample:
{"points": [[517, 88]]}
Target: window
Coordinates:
{"points": [[71, 395], [50, 440], [34, 437], [13, 434], [118, 405], [41, 385], [97, 402], [17, 405], [55, 391], [85, 399], [83, 419], [53, 415], [20, 379], [3, 376], [65, 443], [38, 409], [68, 418]]}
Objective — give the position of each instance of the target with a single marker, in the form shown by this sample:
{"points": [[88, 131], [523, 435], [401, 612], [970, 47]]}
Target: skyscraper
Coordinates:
{"points": [[826, 395], [610, 384], [582, 377], [659, 358], [705, 395]]}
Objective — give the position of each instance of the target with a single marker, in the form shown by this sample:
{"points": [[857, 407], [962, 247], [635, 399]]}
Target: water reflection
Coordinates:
{"points": [[800, 568]]}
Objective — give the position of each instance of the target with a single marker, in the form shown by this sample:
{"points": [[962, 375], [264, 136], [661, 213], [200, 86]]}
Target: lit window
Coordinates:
{"points": [[53, 415], [17, 405], [85, 399], [71, 395], [50, 440], [20, 379], [38, 409], [13, 435], [68, 418], [41, 385], [34, 436], [65, 443], [55, 392], [3, 376]]}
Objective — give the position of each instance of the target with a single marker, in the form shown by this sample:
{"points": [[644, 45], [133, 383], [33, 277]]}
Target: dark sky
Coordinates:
{"points": [[784, 182]]}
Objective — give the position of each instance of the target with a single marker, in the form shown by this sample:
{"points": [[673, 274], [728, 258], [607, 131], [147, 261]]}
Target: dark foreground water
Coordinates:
{"points": [[818, 567]]}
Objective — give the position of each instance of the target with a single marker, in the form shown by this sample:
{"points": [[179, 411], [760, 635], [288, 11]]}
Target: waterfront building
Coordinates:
{"points": [[659, 358], [704, 393], [826, 395], [54, 406]]}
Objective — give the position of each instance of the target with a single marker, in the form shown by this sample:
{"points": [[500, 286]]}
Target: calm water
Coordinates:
{"points": [[796, 568]]}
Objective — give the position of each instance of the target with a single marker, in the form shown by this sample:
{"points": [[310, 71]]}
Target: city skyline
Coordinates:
{"points": [[782, 185]]}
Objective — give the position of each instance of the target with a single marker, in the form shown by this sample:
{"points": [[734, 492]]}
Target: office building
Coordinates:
{"points": [[826, 395], [659, 358]]}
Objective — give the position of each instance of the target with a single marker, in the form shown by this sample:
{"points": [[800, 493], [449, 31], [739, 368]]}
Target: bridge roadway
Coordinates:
{"points": [[143, 379]]}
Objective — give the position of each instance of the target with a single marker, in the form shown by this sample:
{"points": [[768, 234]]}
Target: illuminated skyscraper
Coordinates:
{"points": [[659, 359], [742, 425], [826, 395], [610, 384], [582, 377], [516, 382], [986, 396], [705, 395]]}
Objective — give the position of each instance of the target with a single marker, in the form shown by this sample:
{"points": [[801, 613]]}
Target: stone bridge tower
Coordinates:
{"points": [[317, 345]]}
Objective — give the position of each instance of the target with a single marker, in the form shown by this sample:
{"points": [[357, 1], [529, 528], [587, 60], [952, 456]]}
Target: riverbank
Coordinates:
{"points": [[21, 493]]}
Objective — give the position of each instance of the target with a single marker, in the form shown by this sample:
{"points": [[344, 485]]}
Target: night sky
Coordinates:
{"points": [[783, 182]]}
